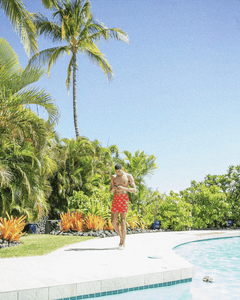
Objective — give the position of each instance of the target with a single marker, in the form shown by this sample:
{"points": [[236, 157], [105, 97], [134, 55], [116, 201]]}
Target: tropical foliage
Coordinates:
{"points": [[26, 156], [174, 213], [209, 206], [140, 165], [22, 23], [77, 222], [83, 166], [73, 221], [11, 228], [95, 222]]}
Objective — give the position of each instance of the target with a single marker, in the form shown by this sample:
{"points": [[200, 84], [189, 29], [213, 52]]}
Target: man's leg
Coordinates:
{"points": [[114, 217], [123, 228]]}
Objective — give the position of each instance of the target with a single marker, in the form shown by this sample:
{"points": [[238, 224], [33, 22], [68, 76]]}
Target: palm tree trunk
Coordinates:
{"points": [[75, 95]]}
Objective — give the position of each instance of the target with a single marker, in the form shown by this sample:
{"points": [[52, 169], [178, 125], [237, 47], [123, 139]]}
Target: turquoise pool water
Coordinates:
{"points": [[217, 258]]}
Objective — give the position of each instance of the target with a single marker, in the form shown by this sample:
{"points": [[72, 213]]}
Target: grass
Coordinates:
{"points": [[40, 244]]}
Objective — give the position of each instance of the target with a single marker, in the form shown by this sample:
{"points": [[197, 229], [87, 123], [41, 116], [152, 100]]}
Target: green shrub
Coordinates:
{"points": [[99, 204], [174, 212], [210, 207]]}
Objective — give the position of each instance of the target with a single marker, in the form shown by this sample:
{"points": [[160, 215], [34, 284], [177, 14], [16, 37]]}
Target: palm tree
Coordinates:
{"points": [[22, 23], [83, 165], [16, 96], [74, 24], [25, 138], [139, 165]]}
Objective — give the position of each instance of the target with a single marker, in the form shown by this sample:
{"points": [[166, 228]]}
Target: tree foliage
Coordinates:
{"points": [[83, 165], [174, 212], [22, 22], [25, 143], [210, 208]]}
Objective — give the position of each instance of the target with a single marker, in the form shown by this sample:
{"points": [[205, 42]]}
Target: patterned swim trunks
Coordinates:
{"points": [[120, 203]]}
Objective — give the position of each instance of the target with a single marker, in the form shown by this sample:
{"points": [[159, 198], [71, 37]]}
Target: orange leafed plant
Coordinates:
{"points": [[11, 229], [39, 210], [95, 222], [141, 224], [74, 221], [133, 222], [79, 225], [108, 226], [66, 222], [77, 221]]}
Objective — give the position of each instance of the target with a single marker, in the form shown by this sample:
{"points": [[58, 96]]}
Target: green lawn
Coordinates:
{"points": [[40, 244]]}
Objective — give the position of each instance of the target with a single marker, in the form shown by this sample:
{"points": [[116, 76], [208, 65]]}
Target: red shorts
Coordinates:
{"points": [[120, 203]]}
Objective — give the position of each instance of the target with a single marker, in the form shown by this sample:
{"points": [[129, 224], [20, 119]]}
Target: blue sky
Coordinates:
{"points": [[176, 89]]}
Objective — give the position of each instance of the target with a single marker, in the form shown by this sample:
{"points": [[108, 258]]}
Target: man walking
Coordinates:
{"points": [[120, 186]]}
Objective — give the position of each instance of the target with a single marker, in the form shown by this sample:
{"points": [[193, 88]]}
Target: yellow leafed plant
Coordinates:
{"points": [[95, 222], [133, 222], [141, 224], [11, 229]]}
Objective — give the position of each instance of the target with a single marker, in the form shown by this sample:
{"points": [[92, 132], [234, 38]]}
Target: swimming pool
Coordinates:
{"points": [[217, 258]]}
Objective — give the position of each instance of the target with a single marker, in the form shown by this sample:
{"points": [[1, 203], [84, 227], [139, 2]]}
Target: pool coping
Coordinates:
{"points": [[126, 275]]}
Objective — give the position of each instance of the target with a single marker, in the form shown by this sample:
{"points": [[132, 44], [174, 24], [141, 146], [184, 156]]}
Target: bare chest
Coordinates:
{"points": [[121, 180]]}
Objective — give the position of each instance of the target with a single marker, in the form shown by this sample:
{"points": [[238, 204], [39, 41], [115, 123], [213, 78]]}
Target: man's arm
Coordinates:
{"points": [[133, 188], [127, 189], [112, 188]]}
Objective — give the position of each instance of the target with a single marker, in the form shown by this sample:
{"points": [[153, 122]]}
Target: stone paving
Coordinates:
{"points": [[97, 266]]}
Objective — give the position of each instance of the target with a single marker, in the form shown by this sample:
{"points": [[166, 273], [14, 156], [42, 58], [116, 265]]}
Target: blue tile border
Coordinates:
{"points": [[121, 291]]}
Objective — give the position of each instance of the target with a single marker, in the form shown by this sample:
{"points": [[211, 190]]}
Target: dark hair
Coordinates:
{"points": [[118, 167]]}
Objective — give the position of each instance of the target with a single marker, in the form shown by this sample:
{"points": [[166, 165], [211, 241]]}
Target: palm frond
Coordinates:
{"points": [[22, 23], [40, 98], [87, 28], [48, 56], [24, 177], [95, 31], [79, 11], [50, 4], [8, 58], [98, 58], [47, 28], [5, 175], [25, 78], [85, 11], [59, 51], [109, 33]]}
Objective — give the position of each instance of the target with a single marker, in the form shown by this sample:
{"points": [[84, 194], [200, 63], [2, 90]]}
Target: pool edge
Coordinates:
{"points": [[83, 290]]}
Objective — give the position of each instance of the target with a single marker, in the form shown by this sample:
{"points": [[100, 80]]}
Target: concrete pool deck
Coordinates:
{"points": [[97, 266]]}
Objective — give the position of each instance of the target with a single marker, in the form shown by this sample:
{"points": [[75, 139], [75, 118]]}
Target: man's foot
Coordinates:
{"points": [[121, 245], [121, 242]]}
